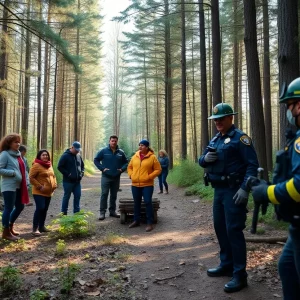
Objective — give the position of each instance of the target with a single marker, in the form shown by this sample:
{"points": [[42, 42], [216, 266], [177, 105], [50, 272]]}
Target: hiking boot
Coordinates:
{"points": [[160, 192], [134, 224], [11, 228], [102, 216], [235, 285], [149, 227], [6, 235], [114, 215], [44, 229]]}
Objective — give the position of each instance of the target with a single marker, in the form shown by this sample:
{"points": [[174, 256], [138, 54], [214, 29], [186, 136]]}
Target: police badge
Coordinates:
{"points": [[245, 139]]}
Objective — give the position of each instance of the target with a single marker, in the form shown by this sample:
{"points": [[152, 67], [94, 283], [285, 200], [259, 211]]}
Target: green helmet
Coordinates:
{"points": [[290, 92], [222, 110]]}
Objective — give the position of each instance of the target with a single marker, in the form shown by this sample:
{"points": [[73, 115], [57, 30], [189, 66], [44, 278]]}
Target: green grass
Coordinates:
{"points": [[185, 173], [188, 174], [89, 167]]}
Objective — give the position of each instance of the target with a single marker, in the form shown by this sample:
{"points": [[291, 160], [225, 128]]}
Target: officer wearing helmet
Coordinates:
{"points": [[229, 160], [285, 194]]}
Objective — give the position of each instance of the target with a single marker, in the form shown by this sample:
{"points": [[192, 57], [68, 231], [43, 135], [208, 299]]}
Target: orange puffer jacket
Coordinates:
{"points": [[143, 172], [40, 176]]}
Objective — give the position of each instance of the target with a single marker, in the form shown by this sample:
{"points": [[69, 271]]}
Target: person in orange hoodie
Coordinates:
{"points": [[142, 169], [42, 178]]}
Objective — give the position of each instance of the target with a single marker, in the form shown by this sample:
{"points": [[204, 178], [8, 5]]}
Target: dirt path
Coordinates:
{"points": [[182, 246]]}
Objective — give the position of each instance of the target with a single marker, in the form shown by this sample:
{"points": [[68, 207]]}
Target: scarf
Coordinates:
{"points": [[24, 190], [46, 164]]}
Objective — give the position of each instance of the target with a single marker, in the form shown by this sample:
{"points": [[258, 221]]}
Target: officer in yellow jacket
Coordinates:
{"points": [[285, 194]]}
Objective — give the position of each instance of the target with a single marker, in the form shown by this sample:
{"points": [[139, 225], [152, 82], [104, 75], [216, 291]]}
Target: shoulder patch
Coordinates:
{"points": [[297, 145], [245, 139]]}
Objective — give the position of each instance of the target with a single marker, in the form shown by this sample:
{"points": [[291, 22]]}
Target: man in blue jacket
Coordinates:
{"points": [[72, 167], [111, 161]]}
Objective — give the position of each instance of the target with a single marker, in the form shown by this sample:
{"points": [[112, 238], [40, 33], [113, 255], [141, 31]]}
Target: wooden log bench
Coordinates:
{"points": [[126, 208]]}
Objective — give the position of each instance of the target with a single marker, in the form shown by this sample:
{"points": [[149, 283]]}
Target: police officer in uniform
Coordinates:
{"points": [[229, 160], [285, 194]]}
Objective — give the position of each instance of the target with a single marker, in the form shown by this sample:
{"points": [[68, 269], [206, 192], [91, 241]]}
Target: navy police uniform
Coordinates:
{"points": [[285, 194], [237, 160]]}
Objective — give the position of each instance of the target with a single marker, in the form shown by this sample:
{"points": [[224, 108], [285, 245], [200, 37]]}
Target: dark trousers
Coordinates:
{"points": [[162, 179], [12, 207], [289, 265], [109, 185], [229, 223], [146, 193], [69, 188], [40, 214]]}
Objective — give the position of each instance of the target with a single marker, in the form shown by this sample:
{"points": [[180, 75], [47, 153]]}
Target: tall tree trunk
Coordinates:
{"points": [[3, 71], [146, 97], [255, 99], [235, 63], [25, 118], [216, 52], [183, 85], [39, 86], [204, 101], [267, 86], [193, 113], [76, 119], [47, 63], [288, 52], [168, 87]]}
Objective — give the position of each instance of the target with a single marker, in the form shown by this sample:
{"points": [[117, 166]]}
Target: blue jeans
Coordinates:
{"points": [[146, 193], [229, 223], [69, 188], [289, 265], [162, 179], [12, 207], [109, 185], [40, 214]]}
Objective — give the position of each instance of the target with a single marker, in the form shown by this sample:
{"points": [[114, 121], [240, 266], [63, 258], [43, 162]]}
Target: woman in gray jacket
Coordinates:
{"points": [[13, 184]]}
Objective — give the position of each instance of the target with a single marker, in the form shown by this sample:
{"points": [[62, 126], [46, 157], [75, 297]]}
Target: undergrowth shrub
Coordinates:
{"points": [[78, 225], [185, 173], [10, 280], [68, 272], [39, 295]]}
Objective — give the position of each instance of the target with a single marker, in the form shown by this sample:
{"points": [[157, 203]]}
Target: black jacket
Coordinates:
{"points": [[71, 166]]}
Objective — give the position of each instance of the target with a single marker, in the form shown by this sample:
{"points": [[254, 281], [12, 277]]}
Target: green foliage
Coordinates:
{"points": [[9, 280], [68, 272], [18, 246], [89, 167], [78, 225], [39, 295], [60, 247], [199, 189], [185, 173]]}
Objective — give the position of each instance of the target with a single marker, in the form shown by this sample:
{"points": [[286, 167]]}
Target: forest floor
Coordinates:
{"points": [[121, 263]]}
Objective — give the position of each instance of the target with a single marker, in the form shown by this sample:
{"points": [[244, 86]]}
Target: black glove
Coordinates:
{"points": [[259, 192], [210, 157], [241, 197]]}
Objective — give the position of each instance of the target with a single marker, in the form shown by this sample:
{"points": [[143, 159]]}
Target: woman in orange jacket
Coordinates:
{"points": [[42, 178], [142, 169]]}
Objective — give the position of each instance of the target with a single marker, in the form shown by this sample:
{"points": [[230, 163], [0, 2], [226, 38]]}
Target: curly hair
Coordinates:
{"points": [[164, 152], [6, 141]]}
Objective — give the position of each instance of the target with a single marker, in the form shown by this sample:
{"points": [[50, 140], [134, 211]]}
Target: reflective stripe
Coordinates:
{"points": [[271, 194], [290, 187]]}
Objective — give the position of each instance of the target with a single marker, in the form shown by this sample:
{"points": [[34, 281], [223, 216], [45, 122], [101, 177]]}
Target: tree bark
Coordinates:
{"points": [[288, 52], [255, 98], [183, 85], [203, 79]]}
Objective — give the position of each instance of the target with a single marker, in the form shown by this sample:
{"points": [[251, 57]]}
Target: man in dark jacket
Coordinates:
{"points": [[111, 161], [72, 167]]}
